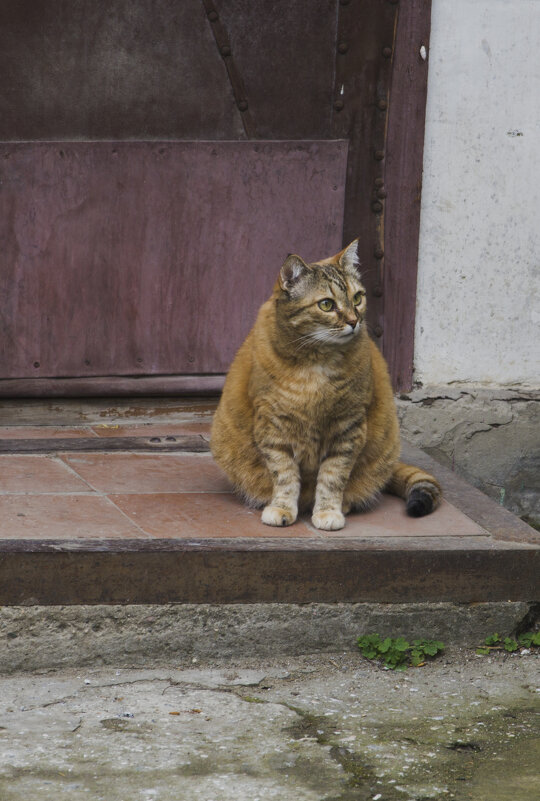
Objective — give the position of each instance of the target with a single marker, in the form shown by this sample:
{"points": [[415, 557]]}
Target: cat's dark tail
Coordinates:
{"points": [[420, 490]]}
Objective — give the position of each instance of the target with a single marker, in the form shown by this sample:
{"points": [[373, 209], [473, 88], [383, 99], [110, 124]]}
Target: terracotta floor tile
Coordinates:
{"points": [[153, 429], [149, 473], [44, 432], [390, 519], [62, 517], [200, 515], [35, 474]]}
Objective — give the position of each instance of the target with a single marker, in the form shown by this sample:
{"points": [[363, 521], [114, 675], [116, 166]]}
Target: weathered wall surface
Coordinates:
{"points": [[477, 351], [490, 437], [478, 316]]}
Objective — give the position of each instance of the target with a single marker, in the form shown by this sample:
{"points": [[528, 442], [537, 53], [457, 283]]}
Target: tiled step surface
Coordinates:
{"points": [[162, 527], [182, 495]]}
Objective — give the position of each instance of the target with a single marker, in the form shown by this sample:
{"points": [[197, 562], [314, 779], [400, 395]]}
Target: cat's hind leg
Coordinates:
{"points": [[247, 473], [420, 490], [362, 493]]}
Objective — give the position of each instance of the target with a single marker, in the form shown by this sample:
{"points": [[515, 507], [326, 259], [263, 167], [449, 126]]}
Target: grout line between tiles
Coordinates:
{"points": [[61, 493], [168, 492], [92, 491], [103, 495], [73, 472], [127, 517]]}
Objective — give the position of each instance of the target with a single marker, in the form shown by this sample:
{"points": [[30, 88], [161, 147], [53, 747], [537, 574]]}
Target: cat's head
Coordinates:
{"points": [[324, 303]]}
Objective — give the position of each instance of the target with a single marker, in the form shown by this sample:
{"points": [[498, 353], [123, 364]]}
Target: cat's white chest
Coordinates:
{"points": [[323, 370], [316, 374]]}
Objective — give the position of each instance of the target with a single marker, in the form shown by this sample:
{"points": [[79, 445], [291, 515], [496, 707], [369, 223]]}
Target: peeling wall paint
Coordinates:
{"points": [[478, 315]]}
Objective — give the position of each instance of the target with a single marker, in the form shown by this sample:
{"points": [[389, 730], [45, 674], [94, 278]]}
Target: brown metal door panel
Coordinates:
{"points": [[285, 53], [112, 69], [152, 258], [131, 221]]}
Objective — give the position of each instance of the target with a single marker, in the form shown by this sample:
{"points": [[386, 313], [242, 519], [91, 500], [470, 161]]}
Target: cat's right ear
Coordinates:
{"points": [[292, 271]]}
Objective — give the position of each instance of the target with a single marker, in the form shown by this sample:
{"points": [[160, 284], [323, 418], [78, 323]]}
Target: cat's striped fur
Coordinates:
{"points": [[307, 418]]}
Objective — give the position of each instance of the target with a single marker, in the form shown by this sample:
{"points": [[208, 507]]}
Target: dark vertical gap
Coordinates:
{"points": [[364, 53], [406, 126]]}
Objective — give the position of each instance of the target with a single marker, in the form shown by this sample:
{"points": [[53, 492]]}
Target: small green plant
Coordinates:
{"points": [[398, 654], [531, 639], [495, 642]]}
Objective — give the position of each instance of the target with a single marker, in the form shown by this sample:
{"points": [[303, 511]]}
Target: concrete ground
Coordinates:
{"points": [[327, 727]]}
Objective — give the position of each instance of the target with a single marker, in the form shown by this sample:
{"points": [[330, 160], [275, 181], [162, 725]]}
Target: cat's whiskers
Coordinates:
{"points": [[328, 334], [313, 336], [299, 339], [304, 340], [308, 341], [319, 335]]}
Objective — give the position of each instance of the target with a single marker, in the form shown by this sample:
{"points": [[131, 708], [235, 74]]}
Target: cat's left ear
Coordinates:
{"points": [[348, 258], [293, 269]]}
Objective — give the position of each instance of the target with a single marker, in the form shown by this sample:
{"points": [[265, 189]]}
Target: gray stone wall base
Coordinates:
{"points": [[46, 637], [490, 437]]}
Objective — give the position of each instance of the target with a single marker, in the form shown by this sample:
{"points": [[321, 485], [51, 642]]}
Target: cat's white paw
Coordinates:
{"points": [[328, 519], [278, 516]]}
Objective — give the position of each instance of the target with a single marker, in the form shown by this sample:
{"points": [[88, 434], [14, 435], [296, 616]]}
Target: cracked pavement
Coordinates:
{"points": [[333, 727]]}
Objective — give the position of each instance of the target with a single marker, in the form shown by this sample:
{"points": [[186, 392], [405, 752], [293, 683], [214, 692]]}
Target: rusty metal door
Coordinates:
{"points": [[159, 159]]}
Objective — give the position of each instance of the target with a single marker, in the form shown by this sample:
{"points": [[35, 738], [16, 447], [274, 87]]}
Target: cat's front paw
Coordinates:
{"points": [[278, 516], [328, 519]]}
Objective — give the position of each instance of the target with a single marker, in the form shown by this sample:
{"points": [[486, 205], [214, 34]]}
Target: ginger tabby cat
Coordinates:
{"points": [[307, 418]]}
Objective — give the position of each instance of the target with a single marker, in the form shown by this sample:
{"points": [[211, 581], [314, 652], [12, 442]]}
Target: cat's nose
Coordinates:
{"points": [[352, 322]]}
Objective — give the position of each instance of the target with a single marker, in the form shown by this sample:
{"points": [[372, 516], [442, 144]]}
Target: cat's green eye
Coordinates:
{"points": [[357, 299], [326, 304]]}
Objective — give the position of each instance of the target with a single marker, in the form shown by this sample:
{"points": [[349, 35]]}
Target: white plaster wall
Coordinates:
{"points": [[478, 315]]}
